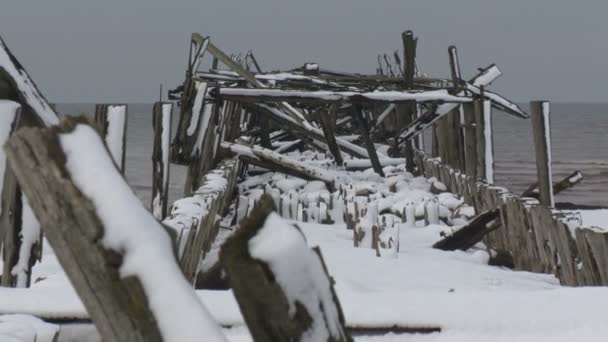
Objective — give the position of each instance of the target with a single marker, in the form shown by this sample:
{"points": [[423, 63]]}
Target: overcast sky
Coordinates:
{"points": [[121, 50]]}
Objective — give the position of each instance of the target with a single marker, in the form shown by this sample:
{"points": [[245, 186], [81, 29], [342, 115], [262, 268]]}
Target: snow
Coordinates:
{"points": [[130, 229], [300, 273], [26, 86], [117, 116], [389, 109], [23, 328], [487, 132], [594, 218]]}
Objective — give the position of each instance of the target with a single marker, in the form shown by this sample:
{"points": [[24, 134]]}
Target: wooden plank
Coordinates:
{"points": [[278, 95], [191, 120], [327, 118], [470, 141], [161, 122], [260, 287], [111, 120], [18, 86], [118, 305], [357, 114], [541, 130], [485, 145]]}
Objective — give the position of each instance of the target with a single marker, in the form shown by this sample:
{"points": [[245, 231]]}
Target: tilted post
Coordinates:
{"points": [[541, 129], [357, 112], [161, 122], [104, 238], [111, 120], [261, 276]]}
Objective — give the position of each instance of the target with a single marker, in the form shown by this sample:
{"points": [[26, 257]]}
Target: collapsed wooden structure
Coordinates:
{"points": [[236, 116]]}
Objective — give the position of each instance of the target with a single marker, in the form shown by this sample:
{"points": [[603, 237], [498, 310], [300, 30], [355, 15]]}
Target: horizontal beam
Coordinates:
{"points": [[278, 95]]}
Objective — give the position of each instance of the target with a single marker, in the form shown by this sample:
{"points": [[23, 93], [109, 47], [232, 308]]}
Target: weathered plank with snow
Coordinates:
{"points": [[484, 141], [541, 130], [470, 141], [111, 120], [271, 160], [471, 234], [16, 85], [325, 96], [261, 260], [161, 123], [104, 238], [563, 185], [194, 219], [194, 118]]}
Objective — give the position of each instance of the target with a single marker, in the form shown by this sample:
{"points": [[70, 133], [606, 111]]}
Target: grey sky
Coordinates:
{"points": [[121, 50]]}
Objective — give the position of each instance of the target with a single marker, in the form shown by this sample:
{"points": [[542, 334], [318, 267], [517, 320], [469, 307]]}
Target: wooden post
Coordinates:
{"points": [[456, 119], [541, 129], [365, 134], [470, 142], [162, 115], [327, 118], [485, 145], [111, 122], [78, 219], [261, 284]]}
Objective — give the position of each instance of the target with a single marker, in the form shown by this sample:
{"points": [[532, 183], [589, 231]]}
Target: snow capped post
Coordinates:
{"points": [[485, 141], [160, 158], [111, 122], [541, 129], [272, 271], [105, 239]]}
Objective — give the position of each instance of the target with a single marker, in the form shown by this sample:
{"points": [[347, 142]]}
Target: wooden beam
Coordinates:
{"points": [[484, 141], [63, 189], [260, 287], [323, 96], [541, 130], [357, 113], [470, 141], [111, 120], [327, 118], [161, 122]]}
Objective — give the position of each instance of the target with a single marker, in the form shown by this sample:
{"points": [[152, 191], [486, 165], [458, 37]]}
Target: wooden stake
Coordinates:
{"points": [[470, 142], [485, 145], [111, 120], [162, 115], [327, 118], [541, 129], [365, 134]]}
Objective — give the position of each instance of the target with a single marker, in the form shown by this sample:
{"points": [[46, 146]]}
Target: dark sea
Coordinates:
{"points": [[579, 141]]}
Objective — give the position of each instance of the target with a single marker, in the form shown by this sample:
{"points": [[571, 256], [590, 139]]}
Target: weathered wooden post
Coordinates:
{"points": [[408, 110], [327, 118], [470, 142], [357, 113], [541, 129], [455, 118], [104, 238], [111, 120], [485, 142], [161, 122], [277, 307]]}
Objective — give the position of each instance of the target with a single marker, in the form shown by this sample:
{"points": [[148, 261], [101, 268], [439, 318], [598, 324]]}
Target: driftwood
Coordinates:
{"points": [[267, 301], [70, 211], [563, 185], [161, 123]]}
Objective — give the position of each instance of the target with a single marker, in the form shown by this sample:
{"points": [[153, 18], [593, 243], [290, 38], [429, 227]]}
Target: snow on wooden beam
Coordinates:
{"points": [[194, 116], [363, 164], [161, 122], [484, 78], [111, 122], [194, 218], [14, 80], [568, 182], [541, 129], [105, 239], [272, 271], [271, 160], [484, 141], [325, 96]]}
